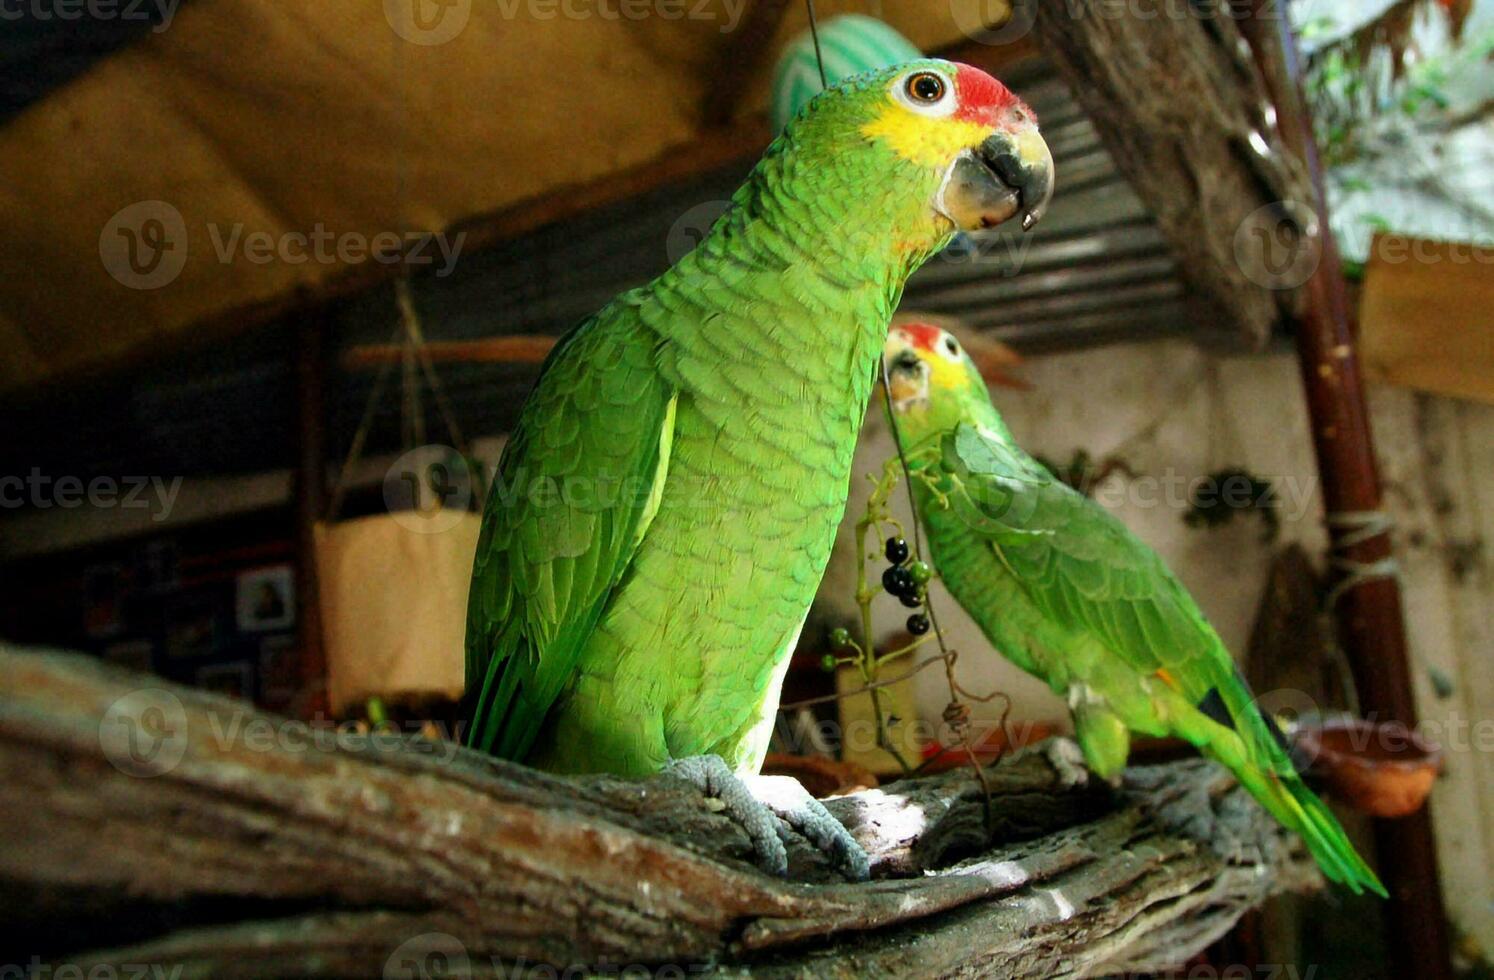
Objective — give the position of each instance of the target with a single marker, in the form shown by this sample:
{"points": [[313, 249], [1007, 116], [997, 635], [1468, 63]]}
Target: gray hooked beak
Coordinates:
{"points": [[1004, 176]]}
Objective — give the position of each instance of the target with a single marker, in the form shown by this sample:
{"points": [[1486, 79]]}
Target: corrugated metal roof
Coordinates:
{"points": [[1095, 270]]}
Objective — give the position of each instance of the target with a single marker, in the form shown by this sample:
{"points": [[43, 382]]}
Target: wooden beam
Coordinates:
{"points": [[1183, 112], [506, 349], [226, 841]]}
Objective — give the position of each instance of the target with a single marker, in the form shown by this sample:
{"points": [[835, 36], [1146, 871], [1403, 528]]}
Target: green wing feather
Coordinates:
{"points": [[1082, 566], [576, 488], [1085, 570]]}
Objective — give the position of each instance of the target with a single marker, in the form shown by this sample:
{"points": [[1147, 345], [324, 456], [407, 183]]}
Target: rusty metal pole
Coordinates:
{"points": [[1371, 626]]}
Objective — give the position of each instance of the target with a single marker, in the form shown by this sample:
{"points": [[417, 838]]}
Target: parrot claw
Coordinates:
{"points": [[769, 809], [1067, 760]]}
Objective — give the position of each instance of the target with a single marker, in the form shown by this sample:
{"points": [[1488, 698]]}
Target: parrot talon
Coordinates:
{"points": [[716, 782], [1067, 760], [769, 809]]}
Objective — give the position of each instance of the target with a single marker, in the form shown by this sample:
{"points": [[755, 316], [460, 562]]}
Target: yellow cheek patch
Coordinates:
{"points": [[944, 373], [921, 139]]}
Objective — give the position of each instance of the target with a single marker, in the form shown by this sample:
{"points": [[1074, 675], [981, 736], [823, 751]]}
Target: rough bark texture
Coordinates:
{"points": [[151, 824], [1182, 108]]}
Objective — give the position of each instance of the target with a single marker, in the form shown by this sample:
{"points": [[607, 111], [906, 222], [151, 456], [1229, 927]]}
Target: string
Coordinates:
{"points": [[814, 33], [1358, 526]]}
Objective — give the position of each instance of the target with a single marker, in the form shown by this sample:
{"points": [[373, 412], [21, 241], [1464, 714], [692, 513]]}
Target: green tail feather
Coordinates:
{"points": [[1298, 809]]}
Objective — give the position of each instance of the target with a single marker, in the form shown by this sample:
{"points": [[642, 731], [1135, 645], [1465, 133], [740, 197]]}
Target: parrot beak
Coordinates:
{"points": [[1006, 175], [907, 379]]}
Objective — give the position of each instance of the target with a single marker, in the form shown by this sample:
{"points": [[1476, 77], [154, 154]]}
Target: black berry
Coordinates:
{"points": [[897, 581], [918, 624], [896, 550], [911, 599]]}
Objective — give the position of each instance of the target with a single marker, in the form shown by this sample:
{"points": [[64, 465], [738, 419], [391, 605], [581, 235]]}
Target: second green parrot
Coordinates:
{"points": [[1067, 593]]}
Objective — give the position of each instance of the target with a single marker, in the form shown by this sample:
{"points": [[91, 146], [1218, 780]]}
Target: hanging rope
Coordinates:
{"points": [[814, 34], [415, 362]]}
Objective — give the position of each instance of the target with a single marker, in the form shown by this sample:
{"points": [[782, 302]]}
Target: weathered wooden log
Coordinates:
{"points": [[1179, 103], [152, 824]]}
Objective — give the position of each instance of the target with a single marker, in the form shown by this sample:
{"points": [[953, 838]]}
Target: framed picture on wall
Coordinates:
{"points": [[266, 599]]}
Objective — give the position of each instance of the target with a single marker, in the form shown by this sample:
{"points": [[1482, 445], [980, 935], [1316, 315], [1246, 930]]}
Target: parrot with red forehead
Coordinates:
{"points": [[666, 503], [1068, 594]]}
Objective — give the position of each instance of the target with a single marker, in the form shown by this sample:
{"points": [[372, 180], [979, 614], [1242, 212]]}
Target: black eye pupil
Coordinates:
{"points": [[926, 88], [951, 345]]}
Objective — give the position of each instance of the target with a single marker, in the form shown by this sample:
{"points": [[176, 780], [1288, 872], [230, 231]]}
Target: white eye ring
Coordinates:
{"points": [[949, 349], [939, 108]]}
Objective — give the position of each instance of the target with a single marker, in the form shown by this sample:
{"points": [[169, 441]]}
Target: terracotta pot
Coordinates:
{"points": [[822, 777], [1385, 770]]}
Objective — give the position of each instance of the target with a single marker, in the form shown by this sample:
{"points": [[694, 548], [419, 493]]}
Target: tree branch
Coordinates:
{"points": [[152, 824]]}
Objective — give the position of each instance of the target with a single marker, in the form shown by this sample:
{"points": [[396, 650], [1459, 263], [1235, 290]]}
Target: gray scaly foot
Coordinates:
{"points": [[766, 807], [1067, 760]]}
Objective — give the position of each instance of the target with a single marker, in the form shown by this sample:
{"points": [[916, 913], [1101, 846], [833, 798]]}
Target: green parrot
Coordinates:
{"points": [[1067, 593], [666, 503]]}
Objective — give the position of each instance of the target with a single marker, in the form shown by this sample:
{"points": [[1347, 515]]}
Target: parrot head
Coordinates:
{"points": [[954, 149], [932, 380]]}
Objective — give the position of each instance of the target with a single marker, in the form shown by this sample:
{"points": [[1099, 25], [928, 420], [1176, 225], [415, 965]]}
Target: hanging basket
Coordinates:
{"points": [[394, 585], [394, 603]]}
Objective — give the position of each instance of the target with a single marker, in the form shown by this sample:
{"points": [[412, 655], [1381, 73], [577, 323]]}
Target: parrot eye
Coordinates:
{"points": [[926, 87], [926, 92], [949, 349], [951, 346]]}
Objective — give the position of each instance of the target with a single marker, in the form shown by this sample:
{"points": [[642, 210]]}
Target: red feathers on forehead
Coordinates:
{"points": [[923, 335], [982, 98]]}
